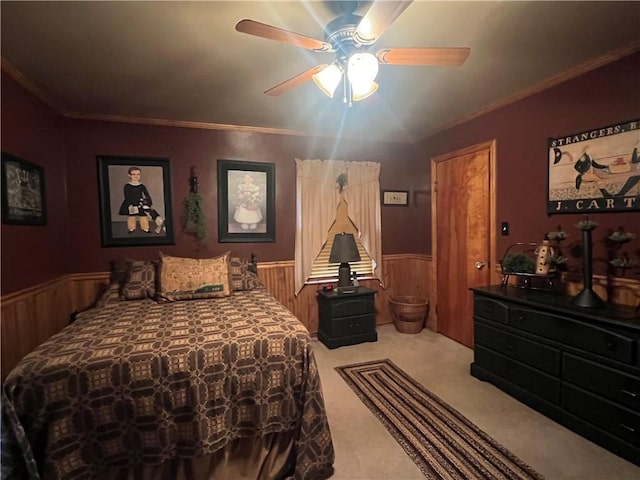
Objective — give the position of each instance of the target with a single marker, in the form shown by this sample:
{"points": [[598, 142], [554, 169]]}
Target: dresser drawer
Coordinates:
{"points": [[610, 383], [491, 309], [344, 327], [535, 381], [527, 351], [617, 420], [577, 334]]}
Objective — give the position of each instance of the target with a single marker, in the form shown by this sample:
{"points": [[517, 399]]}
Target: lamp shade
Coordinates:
{"points": [[362, 69], [361, 95], [328, 79], [344, 249]]}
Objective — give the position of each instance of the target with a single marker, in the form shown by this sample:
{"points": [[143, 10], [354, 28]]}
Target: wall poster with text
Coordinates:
{"points": [[595, 171]]}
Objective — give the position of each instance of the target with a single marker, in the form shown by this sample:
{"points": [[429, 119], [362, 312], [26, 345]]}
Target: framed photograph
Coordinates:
{"points": [[23, 197], [135, 201], [246, 201], [395, 198], [595, 171]]}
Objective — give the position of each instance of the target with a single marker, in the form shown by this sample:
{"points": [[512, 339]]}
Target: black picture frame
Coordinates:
{"points": [[23, 192], [246, 201], [395, 198], [594, 171], [115, 227]]}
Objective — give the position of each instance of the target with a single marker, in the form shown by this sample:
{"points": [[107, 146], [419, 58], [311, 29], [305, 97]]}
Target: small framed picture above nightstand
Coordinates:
{"points": [[395, 198]]}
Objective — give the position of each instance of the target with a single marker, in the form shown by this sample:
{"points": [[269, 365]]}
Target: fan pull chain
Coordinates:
{"points": [[344, 88]]}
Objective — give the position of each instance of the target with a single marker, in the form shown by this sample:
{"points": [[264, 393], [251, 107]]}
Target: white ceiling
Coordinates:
{"points": [[184, 61]]}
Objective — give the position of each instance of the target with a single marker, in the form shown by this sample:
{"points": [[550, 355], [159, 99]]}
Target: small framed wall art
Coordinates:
{"points": [[246, 201], [135, 201], [395, 198], [23, 194]]}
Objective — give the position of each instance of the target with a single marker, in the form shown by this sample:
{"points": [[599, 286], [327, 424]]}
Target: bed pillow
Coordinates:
{"points": [[240, 277], [141, 280], [190, 278]]}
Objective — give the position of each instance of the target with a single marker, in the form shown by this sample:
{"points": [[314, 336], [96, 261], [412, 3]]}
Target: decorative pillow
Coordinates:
{"points": [[189, 278], [141, 280], [240, 277]]}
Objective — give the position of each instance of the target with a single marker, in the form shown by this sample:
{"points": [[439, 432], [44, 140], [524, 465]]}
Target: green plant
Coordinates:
{"points": [[194, 221], [518, 263], [621, 236], [341, 181]]}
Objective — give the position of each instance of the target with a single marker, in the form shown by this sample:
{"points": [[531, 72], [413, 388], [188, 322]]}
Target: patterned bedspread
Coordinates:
{"points": [[140, 381]]}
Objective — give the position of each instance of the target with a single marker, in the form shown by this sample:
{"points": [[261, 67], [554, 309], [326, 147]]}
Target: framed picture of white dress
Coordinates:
{"points": [[246, 201], [135, 201]]}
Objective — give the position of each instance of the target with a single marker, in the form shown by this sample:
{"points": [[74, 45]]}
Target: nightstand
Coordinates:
{"points": [[347, 318]]}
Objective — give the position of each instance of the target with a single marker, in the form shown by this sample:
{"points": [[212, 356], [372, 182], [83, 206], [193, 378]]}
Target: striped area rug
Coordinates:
{"points": [[438, 438]]}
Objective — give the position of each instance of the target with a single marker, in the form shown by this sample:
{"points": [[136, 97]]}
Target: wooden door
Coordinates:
{"points": [[463, 221]]}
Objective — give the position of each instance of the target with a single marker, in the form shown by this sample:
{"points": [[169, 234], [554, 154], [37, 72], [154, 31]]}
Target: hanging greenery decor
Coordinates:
{"points": [[341, 181], [193, 217]]}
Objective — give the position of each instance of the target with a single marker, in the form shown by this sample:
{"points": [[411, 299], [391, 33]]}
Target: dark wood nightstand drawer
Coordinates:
{"points": [[343, 327], [352, 306], [537, 382], [535, 354], [612, 384], [577, 334], [491, 309], [622, 422]]}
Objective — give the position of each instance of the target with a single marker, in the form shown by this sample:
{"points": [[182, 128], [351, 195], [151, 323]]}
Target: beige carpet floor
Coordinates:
{"points": [[365, 449]]}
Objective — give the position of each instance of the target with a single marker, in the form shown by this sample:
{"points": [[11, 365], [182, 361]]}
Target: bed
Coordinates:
{"points": [[211, 385]]}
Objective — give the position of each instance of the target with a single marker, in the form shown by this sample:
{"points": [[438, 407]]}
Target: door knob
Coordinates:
{"points": [[479, 265]]}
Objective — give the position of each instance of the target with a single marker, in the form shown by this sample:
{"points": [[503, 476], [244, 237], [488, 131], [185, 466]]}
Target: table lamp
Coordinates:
{"points": [[343, 251]]}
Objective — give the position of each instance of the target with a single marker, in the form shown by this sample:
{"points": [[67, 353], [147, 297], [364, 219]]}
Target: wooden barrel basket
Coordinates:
{"points": [[409, 313]]}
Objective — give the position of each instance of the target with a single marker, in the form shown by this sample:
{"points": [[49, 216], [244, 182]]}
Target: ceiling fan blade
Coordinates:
{"points": [[377, 19], [278, 34], [444, 57], [296, 81]]}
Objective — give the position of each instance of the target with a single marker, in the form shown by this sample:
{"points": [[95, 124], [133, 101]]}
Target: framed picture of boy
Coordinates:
{"points": [[135, 201]]}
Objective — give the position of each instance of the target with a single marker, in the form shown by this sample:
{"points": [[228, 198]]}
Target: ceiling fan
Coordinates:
{"points": [[351, 37]]}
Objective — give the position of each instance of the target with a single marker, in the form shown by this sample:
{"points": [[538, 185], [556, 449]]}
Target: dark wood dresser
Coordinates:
{"points": [[579, 366], [347, 318]]}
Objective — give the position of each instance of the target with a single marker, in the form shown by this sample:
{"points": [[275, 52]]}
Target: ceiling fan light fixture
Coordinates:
{"points": [[328, 79], [362, 69], [362, 94]]}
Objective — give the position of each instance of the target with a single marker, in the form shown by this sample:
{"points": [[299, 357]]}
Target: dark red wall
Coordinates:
{"points": [[32, 132], [202, 149], [598, 98], [68, 148]]}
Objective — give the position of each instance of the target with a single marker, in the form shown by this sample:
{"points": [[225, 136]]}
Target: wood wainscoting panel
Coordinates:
{"points": [[405, 274], [31, 316]]}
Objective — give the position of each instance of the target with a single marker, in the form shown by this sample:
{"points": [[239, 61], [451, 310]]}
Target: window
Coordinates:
{"points": [[321, 187], [322, 269]]}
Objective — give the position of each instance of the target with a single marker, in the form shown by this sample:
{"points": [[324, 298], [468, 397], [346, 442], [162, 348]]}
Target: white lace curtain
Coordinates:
{"points": [[318, 196]]}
